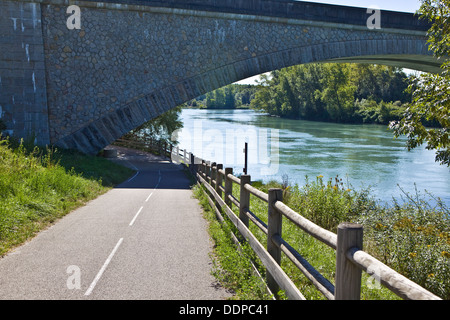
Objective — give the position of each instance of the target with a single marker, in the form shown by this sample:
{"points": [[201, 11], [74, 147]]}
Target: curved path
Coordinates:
{"points": [[144, 239]]}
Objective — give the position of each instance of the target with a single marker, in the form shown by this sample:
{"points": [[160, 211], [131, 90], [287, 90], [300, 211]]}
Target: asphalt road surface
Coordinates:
{"points": [[145, 239]]}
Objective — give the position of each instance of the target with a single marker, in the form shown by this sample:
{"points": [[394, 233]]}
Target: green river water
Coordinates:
{"points": [[362, 155]]}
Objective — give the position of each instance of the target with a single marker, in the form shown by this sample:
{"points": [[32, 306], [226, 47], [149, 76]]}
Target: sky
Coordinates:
{"points": [[392, 5]]}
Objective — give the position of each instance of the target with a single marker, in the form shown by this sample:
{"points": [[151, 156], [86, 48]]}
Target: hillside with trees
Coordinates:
{"points": [[431, 92], [346, 93], [229, 97]]}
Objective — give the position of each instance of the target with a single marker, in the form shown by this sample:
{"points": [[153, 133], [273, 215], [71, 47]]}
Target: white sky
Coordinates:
{"points": [[392, 5]]}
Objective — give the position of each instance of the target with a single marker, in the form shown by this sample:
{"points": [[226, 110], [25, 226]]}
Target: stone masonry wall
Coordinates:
{"points": [[124, 67], [23, 98], [84, 88]]}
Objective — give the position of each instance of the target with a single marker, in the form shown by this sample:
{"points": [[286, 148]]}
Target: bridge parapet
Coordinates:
{"points": [[302, 10]]}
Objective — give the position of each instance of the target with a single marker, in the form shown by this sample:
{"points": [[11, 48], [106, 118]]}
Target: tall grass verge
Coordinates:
{"points": [[411, 234], [39, 186], [232, 266]]}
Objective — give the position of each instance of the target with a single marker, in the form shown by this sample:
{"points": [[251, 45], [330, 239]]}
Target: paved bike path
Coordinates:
{"points": [[144, 239]]}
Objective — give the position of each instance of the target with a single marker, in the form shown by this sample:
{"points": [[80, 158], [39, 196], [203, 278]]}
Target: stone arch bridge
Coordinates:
{"points": [[132, 60]]}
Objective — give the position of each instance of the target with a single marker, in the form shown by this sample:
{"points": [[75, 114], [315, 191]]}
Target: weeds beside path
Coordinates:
{"points": [[411, 235], [39, 186]]}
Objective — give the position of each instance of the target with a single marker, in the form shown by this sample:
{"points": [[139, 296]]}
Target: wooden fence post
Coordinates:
{"points": [[228, 186], [244, 199], [348, 275], [219, 179], [213, 175], [208, 171], [274, 227], [203, 166]]}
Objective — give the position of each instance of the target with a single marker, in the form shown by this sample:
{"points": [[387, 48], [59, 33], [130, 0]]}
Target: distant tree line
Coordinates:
{"points": [[229, 97], [333, 92], [347, 93], [159, 129]]}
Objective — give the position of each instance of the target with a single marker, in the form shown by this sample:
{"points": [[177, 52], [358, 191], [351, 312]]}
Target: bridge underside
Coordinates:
{"points": [[101, 132], [83, 89], [415, 62]]}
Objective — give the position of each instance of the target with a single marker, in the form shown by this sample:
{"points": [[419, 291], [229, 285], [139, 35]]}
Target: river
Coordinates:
{"points": [[362, 155]]}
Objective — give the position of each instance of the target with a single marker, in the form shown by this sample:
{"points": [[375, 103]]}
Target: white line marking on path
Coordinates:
{"points": [[134, 219], [135, 168], [133, 177], [146, 200], [105, 265], [156, 187]]}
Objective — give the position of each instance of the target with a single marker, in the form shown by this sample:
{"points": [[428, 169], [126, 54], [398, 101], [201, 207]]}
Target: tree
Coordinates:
{"points": [[229, 98], [219, 96], [210, 100], [431, 92], [338, 94], [349, 93], [159, 128], [2, 126]]}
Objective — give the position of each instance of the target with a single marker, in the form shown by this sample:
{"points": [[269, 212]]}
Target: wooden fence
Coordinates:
{"points": [[351, 260], [155, 146]]}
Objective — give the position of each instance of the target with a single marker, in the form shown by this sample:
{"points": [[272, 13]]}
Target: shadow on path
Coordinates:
{"points": [[151, 170]]}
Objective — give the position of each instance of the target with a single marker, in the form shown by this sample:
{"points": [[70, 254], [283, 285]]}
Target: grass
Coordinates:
{"points": [[232, 266], [411, 236], [38, 186]]}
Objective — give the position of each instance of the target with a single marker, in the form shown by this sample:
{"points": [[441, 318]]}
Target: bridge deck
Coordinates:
{"points": [[302, 10]]}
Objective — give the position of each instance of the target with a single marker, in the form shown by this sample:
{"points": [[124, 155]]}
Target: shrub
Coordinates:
{"points": [[329, 204], [413, 237], [411, 234]]}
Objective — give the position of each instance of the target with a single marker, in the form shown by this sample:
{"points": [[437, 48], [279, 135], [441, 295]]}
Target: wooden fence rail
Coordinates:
{"points": [[157, 146], [351, 260]]}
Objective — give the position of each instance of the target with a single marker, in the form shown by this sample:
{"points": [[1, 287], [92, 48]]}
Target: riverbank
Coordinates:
{"points": [[412, 238], [365, 155], [39, 186]]}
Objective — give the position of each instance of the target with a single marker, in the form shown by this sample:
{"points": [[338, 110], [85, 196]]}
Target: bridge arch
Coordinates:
{"points": [[132, 61], [407, 53]]}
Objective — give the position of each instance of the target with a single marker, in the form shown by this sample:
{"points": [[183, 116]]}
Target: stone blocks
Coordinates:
{"points": [[128, 64], [23, 97]]}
